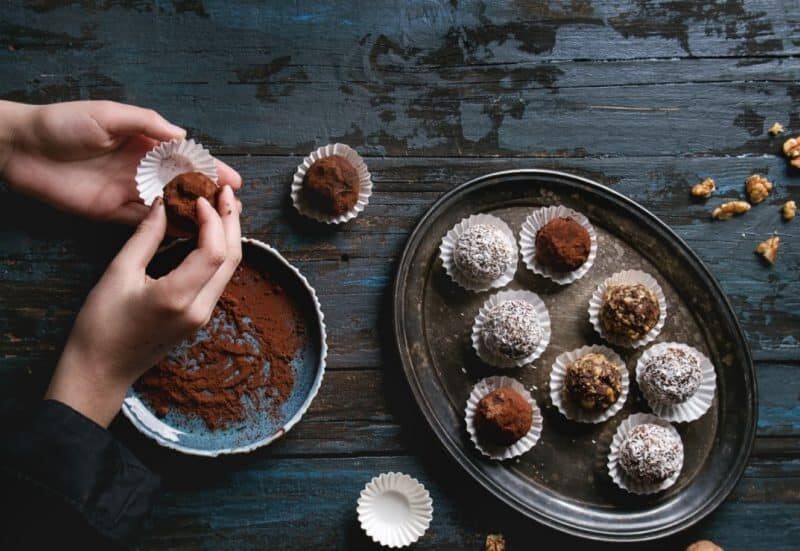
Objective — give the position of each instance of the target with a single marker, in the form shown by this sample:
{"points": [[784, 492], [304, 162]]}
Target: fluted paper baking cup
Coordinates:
{"points": [[542, 316], [394, 509], [527, 243], [616, 472], [494, 451], [573, 411], [448, 245], [364, 183], [628, 277], [167, 160], [693, 407]]}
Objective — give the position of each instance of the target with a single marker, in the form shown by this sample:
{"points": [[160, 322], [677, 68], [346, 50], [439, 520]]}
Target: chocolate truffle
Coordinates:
{"points": [[503, 416], [482, 253], [651, 453], [671, 377], [629, 311], [593, 381], [562, 245], [331, 185], [180, 198], [512, 330]]}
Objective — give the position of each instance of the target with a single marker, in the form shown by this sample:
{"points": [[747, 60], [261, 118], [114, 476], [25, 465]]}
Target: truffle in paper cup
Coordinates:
{"points": [[394, 509], [542, 317], [527, 243], [616, 472], [448, 246], [494, 451], [167, 160], [364, 183], [575, 412], [628, 277], [693, 407]]}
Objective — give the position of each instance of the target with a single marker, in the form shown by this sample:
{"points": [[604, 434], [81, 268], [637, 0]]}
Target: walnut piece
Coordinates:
{"points": [[495, 542], [775, 129], [757, 188], [769, 249], [791, 148], [789, 210], [704, 545], [704, 189], [730, 209]]}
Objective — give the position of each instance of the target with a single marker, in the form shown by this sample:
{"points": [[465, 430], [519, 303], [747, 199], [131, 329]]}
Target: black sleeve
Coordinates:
{"points": [[64, 479]]}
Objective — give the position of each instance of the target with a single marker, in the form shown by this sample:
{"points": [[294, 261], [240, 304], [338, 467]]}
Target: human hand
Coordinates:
{"points": [[81, 156], [130, 320]]}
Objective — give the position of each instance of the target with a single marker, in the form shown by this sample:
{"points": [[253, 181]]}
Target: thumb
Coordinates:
{"points": [[119, 119], [143, 244]]}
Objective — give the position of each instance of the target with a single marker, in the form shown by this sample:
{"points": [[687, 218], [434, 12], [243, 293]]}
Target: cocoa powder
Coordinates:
{"points": [[219, 374]]}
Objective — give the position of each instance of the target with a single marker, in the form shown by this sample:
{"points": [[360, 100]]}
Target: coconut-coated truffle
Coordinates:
{"points": [[503, 416], [651, 453], [482, 253], [629, 311], [671, 377], [180, 198], [331, 185], [562, 245], [593, 381], [512, 330]]}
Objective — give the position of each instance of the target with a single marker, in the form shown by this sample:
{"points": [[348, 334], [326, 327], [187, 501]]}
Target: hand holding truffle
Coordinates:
{"points": [[130, 320], [81, 157]]}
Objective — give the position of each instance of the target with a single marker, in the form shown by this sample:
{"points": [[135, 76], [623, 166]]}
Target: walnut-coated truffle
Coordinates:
{"points": [[180, 198], [593, 382], [562, 245], [503, 416], [331, 185], [628, 311], [651, 453]]}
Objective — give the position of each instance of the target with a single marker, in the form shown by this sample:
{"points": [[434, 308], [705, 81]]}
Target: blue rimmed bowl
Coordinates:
{"points": [[189, 434]]}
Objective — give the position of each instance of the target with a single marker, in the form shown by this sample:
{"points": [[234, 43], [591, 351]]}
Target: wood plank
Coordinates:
{"points": [[248, 504], [474, 80]]}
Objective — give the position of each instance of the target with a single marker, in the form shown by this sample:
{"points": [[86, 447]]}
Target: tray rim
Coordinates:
{"points": [[127, 409], [458, 454]]}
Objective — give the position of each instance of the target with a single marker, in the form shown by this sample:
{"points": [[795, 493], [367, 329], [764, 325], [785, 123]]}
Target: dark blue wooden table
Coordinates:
{"points": [[647, 97]]}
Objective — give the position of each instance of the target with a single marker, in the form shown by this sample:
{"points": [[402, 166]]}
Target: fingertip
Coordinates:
{"points": [[228, 176]]}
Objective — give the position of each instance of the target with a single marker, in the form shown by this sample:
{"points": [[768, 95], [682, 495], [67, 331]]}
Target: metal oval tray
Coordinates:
{"points": [[563, 482]]}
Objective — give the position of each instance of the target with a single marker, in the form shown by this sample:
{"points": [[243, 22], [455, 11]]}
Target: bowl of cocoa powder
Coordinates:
{"points": [[249, 375]]}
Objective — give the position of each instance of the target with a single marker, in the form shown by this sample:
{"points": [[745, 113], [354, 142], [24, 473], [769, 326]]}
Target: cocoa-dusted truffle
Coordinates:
{"points": [[180, 198], [651, 453], [562, 245], [331, 185], [629, 311], [482, 253], [512, 330], [671, 377], [503, 416], [593, 381]]}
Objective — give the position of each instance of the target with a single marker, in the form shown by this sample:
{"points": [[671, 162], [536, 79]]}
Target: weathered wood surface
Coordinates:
{"points": [[646, 97]]}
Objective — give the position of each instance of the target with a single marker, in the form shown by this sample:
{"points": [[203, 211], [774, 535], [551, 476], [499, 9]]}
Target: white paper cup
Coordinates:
{"points": [[527, 243], [616, 472], [573, 411], [364, 183], [394, 509], [628, 277], [693, 407], [448, 245], [167, 160], [542, 316], [494, 451]]}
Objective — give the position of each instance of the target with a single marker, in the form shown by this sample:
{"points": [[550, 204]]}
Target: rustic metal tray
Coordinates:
{"points": [[563, 481]]}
